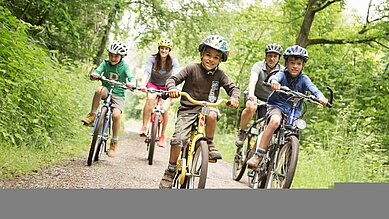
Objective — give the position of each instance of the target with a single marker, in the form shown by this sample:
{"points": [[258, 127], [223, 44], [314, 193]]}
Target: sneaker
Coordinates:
{"points": [[167, 179], [254, 161], [241, 135], [142, 131], [214, 154], [89, 120], [161, 141], [112, 149]]}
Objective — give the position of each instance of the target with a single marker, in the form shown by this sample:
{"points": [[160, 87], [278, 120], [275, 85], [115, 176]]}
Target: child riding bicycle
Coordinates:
{"points": [[278, 103], [158, 68], [202, 82], [114, 69]]}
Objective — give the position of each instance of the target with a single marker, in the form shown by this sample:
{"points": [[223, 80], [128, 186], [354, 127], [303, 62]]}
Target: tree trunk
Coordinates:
{"points": [[97, 60], [309, 16]]}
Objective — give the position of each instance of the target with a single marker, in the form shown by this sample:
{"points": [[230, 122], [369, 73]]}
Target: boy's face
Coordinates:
{"points": [[164, 51], [272, 59], [294, 65], [114, 59], [211, 58]]}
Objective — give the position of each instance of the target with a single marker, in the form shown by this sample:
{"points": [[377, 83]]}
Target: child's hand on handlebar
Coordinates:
{"points": [[233, 103], [173, 93], [275, 85], [323, 101], [94, 76]]}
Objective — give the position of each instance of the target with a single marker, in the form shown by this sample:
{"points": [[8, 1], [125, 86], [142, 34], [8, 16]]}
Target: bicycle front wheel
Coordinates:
{"points": [[198, 173], [153, 138], [97, 138], [282, 175], [240, 159]]}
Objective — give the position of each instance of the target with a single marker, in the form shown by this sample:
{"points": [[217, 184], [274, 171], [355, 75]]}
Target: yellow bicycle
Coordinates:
{"points": [[192, 166]]}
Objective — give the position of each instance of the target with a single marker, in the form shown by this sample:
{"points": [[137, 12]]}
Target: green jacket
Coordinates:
{"points": [[120, 72]]}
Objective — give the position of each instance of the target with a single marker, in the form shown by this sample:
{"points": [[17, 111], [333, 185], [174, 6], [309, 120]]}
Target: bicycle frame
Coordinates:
{"points": [[155, 123], [102, 137], [185, 163], [197, 133], [287, 129], [157, 109]]}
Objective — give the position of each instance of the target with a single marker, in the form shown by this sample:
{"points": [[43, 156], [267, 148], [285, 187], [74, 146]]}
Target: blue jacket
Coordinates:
{"points": [[301, 83]]}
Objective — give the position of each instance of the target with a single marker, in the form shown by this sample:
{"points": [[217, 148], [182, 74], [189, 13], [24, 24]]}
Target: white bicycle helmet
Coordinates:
{"points": [[273, 47], [216, 42], [296, 50], [118, 48]]}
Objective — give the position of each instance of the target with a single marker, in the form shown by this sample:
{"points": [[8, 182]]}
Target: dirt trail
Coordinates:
{"points": [[129, 169]]}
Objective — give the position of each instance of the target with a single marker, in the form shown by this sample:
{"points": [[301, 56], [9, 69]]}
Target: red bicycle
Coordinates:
{"points": [[155, 123]]}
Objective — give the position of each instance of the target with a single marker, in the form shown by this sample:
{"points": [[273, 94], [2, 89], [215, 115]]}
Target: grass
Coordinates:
{"points": [[320, 168], [316, 168], [21, 160]]}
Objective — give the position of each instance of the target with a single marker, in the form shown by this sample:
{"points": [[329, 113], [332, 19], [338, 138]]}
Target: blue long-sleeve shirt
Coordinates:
{"points": [[301, 83]]}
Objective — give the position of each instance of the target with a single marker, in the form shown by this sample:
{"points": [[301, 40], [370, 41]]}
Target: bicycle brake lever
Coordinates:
{"points": [[164, 95]]}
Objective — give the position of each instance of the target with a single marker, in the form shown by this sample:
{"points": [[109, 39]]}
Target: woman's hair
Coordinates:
{"points": [[158, 63]]}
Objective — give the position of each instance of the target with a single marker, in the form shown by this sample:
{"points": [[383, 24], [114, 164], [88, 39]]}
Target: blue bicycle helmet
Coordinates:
{"points": [[296, 50]]}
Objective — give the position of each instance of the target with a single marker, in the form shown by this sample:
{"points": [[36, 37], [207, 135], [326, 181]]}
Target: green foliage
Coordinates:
{"points": [[40, 98], [45, 91]]}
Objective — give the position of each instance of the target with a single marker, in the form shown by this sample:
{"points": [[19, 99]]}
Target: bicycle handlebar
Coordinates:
{"points": [[163, 93], [113, 82], [286, 90], [204, 103]]}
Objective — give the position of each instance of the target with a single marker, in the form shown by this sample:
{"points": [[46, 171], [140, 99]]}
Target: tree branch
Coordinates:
{"points": [[321, 6], [345, 41]]}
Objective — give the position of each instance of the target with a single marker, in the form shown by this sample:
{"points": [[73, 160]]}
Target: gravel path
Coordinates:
{"points": [[129, 169]]}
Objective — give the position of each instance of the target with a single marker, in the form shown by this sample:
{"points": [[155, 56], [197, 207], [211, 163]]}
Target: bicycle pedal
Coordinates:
{"points": [[212, 161], [250, 173]]}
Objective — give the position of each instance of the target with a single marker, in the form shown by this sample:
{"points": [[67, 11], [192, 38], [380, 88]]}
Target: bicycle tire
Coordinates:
{"points": [[153, 139], [96, 140], [199, 172], [286, 165], [240, 160], [103, 144], [258, 181]]}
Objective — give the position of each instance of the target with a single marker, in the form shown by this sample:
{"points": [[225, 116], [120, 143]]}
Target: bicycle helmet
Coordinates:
{"points": [[165, 42], [296, 50], [118, 48], [273, 47], [216, 42]]}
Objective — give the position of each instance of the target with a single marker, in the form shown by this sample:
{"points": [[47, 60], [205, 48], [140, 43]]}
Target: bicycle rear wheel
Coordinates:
{"points": [[153, 138], [282, 175], [198, 173], [97, 138]]}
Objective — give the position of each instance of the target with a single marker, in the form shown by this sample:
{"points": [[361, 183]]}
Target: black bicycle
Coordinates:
{"points": [[242, 154], [102, 126], [277, 168]]}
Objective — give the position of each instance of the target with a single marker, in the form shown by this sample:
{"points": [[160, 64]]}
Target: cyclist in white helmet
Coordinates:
{"points": [[260, 72], [203, 82], [114, 69], [158, 68], [294, 78]]}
